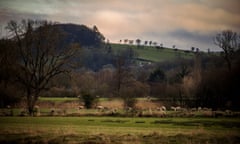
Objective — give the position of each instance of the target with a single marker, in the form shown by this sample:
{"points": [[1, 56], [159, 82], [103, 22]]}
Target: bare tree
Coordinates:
{"points": [[130, 42], [150, 43], [155, 43], [145, 43], [10, 92], [119, 74], [228, 41], [161, 45], [125, 41], [138, 42], [42, 56], [192, 48]]}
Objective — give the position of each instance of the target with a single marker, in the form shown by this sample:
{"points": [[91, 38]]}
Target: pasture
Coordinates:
{"points": [[67, 124], [118, 130], [150, 53]]}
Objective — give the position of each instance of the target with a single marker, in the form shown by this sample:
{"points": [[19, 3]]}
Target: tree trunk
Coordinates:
{"points": [[229, 64], [31, 101]]}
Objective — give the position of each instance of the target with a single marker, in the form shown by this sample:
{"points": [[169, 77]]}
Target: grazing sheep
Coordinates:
{"points": [[150, 111], [162, 108], [193, 109], [199, 108], [178, 108], [114, 111], [56, 112], [149, 98], [228, 112], [173, 108], [99, 107], [80, 107], [129, 109], [207, 109], [36, 110]]}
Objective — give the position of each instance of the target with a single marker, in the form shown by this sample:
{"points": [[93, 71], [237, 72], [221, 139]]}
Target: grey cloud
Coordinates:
{"points": [[193, 39], [173, 21]]}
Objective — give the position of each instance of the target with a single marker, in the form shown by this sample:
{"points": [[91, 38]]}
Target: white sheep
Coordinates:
{"points": [[193, 109], [173, 108], [178, 108], [199, 108], [207, 109], [129, 109], [80, 107], [228, 111], [100, 107], [114, 111], [162, 108], [36, 110]]}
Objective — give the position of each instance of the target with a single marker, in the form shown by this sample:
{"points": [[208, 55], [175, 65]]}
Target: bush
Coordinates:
{"points": [[129, 98], [88, 99]]}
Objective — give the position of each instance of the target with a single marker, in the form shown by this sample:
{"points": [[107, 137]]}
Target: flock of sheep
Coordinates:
{"points": [[161, 111]]}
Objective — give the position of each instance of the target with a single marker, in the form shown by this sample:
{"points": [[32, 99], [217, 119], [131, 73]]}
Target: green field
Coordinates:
{"points": [[150, 53], [118, 130], [58, 99]]}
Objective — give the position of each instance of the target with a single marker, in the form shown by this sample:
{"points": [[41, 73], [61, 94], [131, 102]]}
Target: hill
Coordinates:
{"points": [[92, 38], [153, 54], [95, 52], [85, 36]]}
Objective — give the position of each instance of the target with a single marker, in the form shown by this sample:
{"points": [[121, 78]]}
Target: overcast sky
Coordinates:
{"points": [[184, 23]]}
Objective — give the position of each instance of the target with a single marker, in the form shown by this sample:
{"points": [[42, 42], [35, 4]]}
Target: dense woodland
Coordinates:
{"points": [[41, 58]]}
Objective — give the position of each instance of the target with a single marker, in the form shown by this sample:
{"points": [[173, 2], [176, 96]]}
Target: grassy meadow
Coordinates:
{"points": [[150, 53], [118, 130], [94, 127]]}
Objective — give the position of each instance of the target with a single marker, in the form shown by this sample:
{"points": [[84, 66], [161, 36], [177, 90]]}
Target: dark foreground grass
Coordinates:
{"points": [[106, 130]]}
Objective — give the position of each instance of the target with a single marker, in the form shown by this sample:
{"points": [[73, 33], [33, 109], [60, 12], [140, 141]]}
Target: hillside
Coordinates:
{"points": [[150, 53], [85, 36], [91, 37], [97, 56]]}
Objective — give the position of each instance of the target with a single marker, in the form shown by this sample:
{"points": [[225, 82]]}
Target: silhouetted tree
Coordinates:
{"points": [[161, 45], [228, 41], [197, 50], [99, 34], [130, 42], [125, 41], [145, 43], [208, 50], [157, 76], [138, 42], [41, 56], [155, 43], [10, 91], [150, 43], [120, 74], [192, 48]]}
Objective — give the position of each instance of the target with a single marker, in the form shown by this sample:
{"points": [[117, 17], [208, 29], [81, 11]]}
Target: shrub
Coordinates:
{"points": [[129, 98], [88, 99]]}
